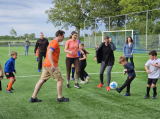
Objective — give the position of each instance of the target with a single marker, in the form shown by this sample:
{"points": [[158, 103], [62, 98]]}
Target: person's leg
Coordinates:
{"points": [[77, 67], [128, 86], [109, 68], [148, 88], [103, 67], [73, 70], [131, 59], [68, 68], [82, 67], [127, 59], [12, 80], [44, 54], [59, 88], [154, 88], [37, 88], [128, 81], [25, 49], [40, 61]]}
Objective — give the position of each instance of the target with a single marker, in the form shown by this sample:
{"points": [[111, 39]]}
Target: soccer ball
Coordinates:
{"points": [[113, 85]]}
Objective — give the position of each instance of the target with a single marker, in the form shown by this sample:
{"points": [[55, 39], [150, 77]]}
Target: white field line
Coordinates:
{"points": [[122, 54], [65, 74]]}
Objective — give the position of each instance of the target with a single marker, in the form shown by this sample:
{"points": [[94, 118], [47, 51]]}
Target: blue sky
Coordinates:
{"points": [[27, 17]]}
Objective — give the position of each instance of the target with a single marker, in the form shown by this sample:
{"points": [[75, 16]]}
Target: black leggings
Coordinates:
{"points": [[83, 73], [69, 62], [131, 59]]}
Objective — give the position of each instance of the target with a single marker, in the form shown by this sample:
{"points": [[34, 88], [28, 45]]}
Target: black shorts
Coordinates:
{"points": [[10, 75], [152, 81]]}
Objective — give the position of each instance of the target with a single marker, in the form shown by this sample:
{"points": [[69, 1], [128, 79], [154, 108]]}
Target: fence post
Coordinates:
{"points": [[135, 41]]}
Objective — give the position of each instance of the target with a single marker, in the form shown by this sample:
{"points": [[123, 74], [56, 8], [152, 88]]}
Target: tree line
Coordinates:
{"points": [[66, 13]]}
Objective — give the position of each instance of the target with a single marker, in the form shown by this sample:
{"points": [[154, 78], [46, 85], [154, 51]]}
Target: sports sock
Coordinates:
{"points": [[10, 85], [154, 90], [73, 70], [148, 89]]}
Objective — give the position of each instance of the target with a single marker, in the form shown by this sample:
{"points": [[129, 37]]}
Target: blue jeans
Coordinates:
{"points": [[26, 49]]}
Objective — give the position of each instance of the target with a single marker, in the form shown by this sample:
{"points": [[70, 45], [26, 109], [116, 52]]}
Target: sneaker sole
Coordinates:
{"points": [[77, 87]]}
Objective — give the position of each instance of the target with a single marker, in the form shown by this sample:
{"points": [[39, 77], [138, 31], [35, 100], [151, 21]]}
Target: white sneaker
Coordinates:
{"points": [[83, 82], [87, 79]]}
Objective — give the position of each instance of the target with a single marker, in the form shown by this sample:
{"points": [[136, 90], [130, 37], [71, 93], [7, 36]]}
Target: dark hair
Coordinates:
{"points": [[153, 52], [106, 37], [59, 32], [130, 38], [70, 36], [73, 32], [82, 44]]}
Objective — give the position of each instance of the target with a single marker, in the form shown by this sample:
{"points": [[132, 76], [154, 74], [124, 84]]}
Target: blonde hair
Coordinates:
{"points": [[121, 59], [13, 53], [82, 44]]}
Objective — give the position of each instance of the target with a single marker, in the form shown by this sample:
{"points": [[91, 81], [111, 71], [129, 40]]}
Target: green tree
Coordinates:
{"points": [[67, 13], [103, 9], [31, 36], [26, 35], [13, 32]]}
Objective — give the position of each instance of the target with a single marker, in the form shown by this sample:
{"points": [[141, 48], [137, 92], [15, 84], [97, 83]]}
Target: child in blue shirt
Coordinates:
{"points": [[129, 69], [9, 69]]}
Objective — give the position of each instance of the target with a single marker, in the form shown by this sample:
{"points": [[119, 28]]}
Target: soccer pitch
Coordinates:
{"points": [[89, 102]]}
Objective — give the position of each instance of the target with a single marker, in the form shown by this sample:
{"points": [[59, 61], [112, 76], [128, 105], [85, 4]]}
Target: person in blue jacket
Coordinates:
{"points": [[9, 69], [129, 69], [128, 49]]}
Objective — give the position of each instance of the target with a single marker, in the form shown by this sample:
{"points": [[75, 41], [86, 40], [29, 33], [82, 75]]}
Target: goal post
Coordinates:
{"points": [[119, 38]]}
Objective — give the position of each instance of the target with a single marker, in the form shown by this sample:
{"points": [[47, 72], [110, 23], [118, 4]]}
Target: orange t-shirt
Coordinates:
{"points": [[74, 47], [54, 45]]}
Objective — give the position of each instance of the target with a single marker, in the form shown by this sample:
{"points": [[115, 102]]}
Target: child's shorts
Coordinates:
{"points": [[152, 81], [10, 75]]}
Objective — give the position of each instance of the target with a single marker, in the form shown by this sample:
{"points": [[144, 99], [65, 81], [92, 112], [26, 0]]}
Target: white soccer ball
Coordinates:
{"points": [[113, 85]]}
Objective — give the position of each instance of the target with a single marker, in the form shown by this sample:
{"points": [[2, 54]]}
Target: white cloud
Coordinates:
{"points": [[27, 17]]}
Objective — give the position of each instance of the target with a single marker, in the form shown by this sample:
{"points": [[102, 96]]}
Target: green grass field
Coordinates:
{"points": [[89, 102]]}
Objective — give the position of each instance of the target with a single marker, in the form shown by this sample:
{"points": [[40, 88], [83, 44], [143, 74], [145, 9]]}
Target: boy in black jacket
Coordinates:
{"points": [[129, 69]]}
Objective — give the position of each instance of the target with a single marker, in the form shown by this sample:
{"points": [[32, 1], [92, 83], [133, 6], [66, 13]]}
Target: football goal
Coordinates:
{"points": [[119, 38]]}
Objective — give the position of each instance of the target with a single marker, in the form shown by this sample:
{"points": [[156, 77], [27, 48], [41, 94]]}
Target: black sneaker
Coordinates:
{"points": [[63, 99], [9, 91], [67, 86], [146, 96], [35, 100], [154, 96], [11, 88], [77, 86]]}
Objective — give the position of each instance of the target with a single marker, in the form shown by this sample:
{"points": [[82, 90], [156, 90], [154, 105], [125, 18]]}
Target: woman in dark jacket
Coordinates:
{"points": [[105, 56]]}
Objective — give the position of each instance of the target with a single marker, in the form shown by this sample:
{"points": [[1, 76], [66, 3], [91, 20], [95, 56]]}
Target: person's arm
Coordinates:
{"points": [[50, 57], [67, 51], [113, 47], [124, 49], [86, 51], [8, 63], [132, 49], [156, 65], [146, 68], [84, 57]]}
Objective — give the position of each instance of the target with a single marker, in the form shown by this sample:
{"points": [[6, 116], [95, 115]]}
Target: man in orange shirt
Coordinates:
{"points": [[51, 69]]}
